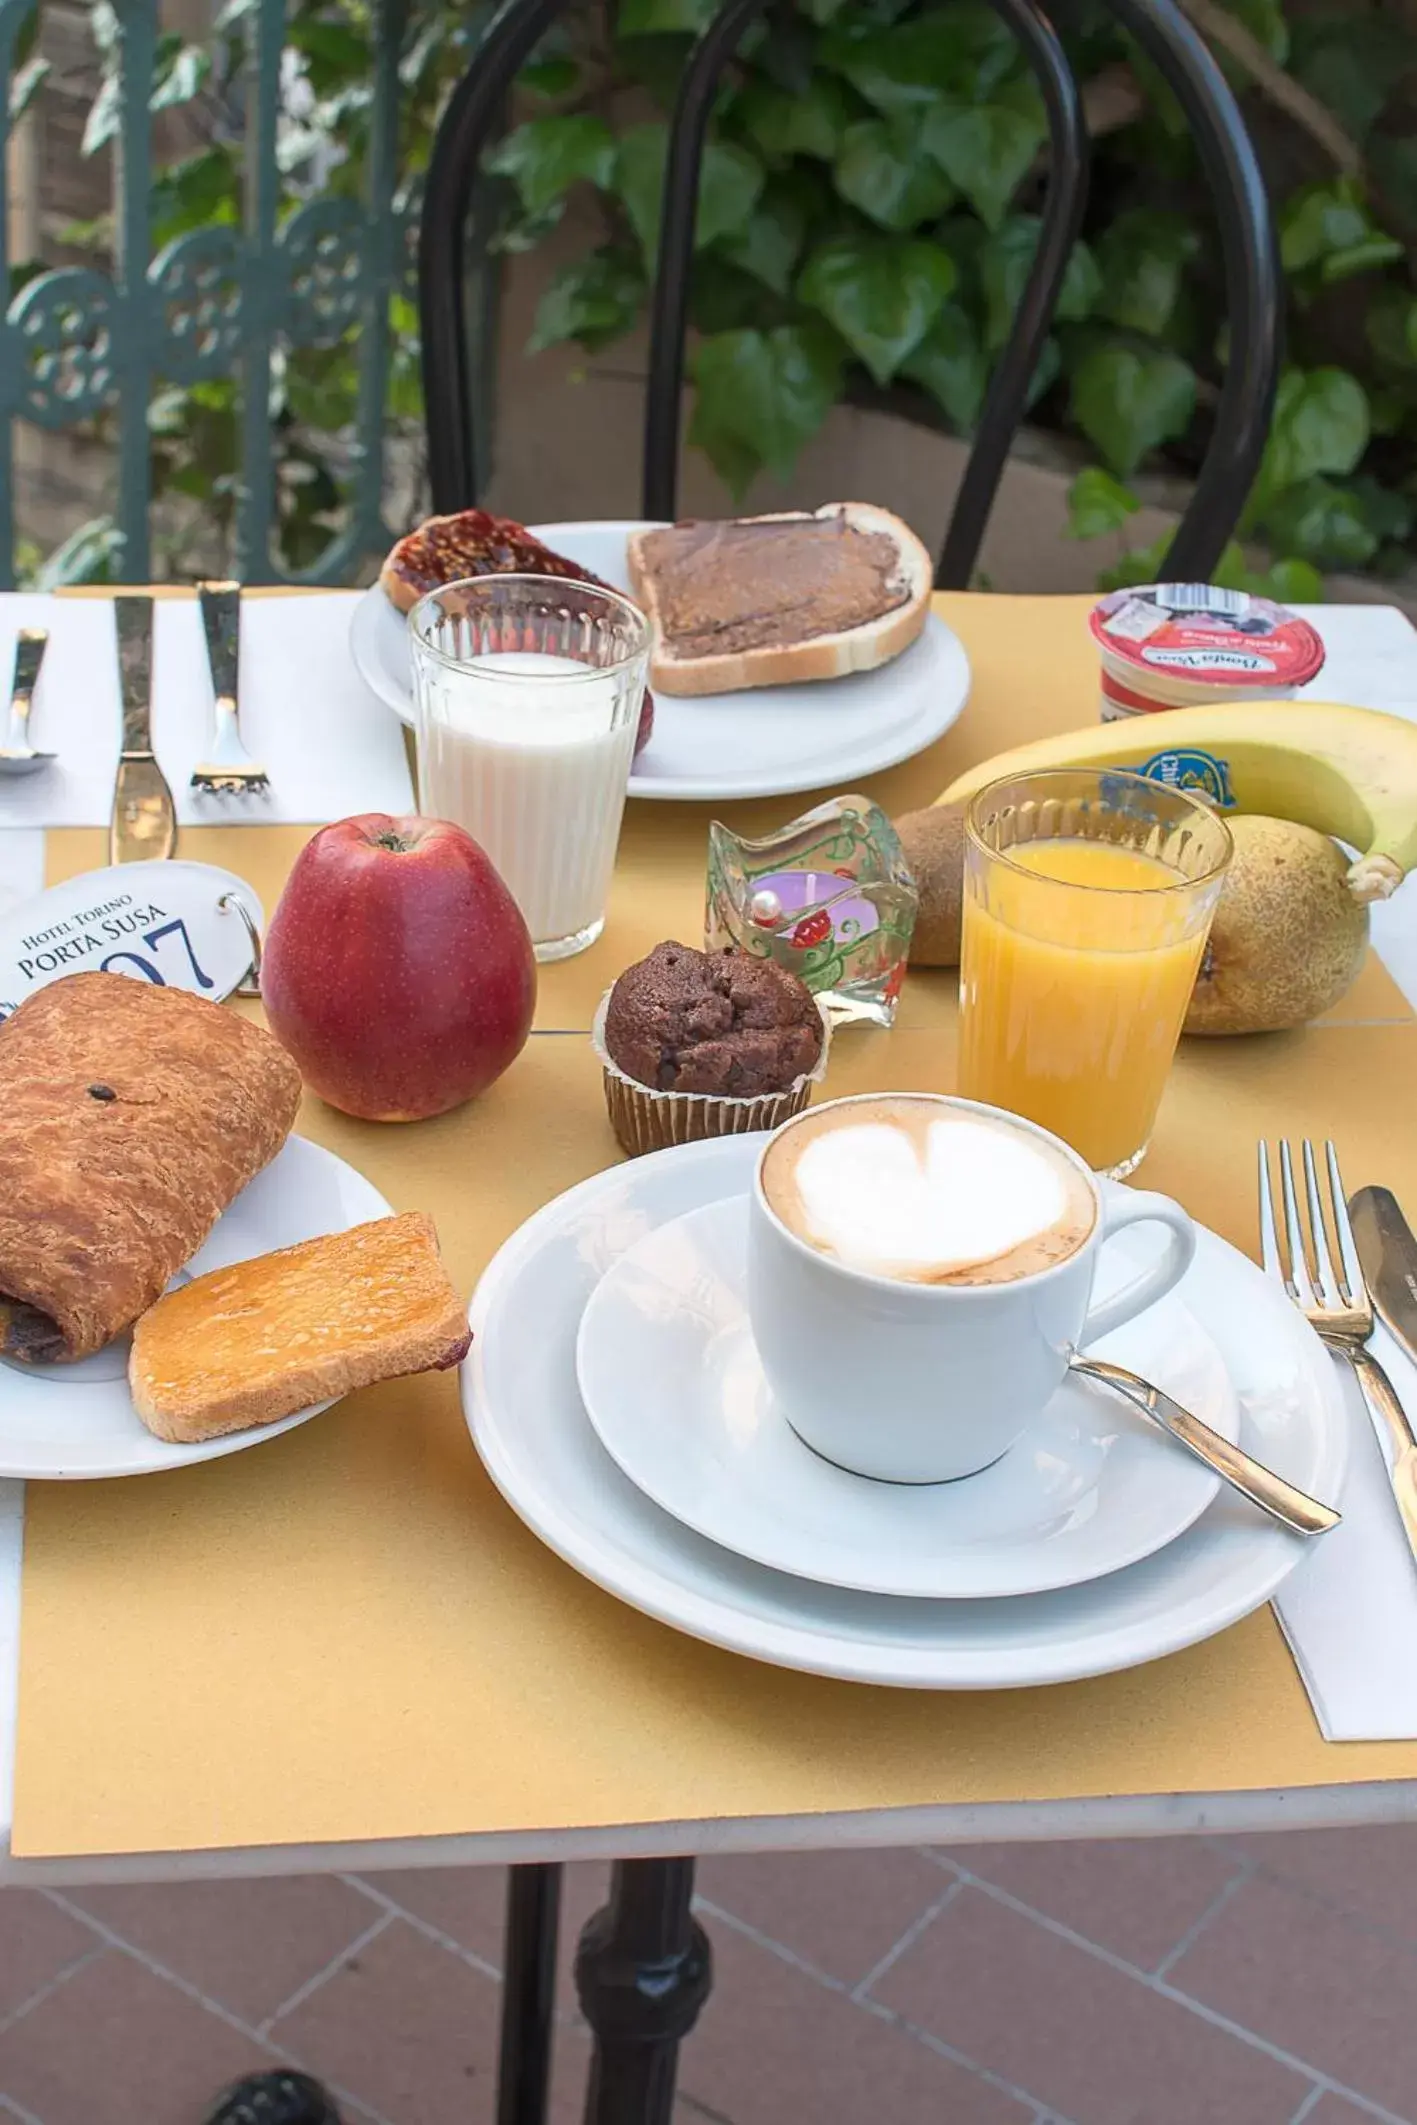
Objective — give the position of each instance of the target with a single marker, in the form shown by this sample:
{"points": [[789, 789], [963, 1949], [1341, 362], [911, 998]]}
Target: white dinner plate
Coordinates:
{"points": [[770, 741], [1088, 1489], [70, 1422], [530, 1427]]}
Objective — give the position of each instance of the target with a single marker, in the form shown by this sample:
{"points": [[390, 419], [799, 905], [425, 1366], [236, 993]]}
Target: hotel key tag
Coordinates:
{"points": [[176, 925]]}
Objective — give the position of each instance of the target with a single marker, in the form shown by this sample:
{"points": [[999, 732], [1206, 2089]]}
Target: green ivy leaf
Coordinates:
{"points": [[882, 169], [192, 194], [105, 117], [546, 156], [763, 395], [730, 181], [1289, 582], [1265, 21], [182, 80], [1327, 226], [1127, 403], [1369, 256], [1097, 504], [823, 11], [1321, 523], [1391, 326], [1004, 263], [524, 232], [1388, 514], [769, 244], [549, 77], [987, 149], [92, 554], [658, 18], [950, 363], [1350, 59], [1320, 425], [591, 300], [882, 294], [723, 298], [781, 125], [960, 50], [1141, 258], [26, 84]]}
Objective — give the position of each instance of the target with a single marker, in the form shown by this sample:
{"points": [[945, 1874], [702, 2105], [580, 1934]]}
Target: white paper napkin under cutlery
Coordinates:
{"points": [[330, 747], [1350, 1610]]}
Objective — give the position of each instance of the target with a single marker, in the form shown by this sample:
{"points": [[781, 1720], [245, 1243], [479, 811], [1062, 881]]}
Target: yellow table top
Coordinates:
{"points": [[346, 1635]]}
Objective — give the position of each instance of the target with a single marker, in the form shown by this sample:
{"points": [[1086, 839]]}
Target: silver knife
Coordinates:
{"points": [[1387, 1256], [1387, 1249], [144, 822]]}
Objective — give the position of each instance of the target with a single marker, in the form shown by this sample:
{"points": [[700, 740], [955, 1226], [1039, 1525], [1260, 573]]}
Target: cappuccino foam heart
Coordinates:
{"points": [[927, 1192]]}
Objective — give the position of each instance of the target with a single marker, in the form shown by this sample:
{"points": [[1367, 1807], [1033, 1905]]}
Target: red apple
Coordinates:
{"points": [[397, 969]]}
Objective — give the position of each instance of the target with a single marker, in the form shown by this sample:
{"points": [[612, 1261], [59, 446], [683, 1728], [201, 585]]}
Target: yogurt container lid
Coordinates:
{"points": [[1200, 633]]}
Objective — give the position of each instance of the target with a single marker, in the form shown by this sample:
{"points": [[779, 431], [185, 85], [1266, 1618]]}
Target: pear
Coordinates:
{"points": [[1288, 937], [933, 841]]}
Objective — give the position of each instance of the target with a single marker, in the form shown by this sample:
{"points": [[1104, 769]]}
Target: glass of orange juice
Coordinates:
{"points": [[1087, 899]]}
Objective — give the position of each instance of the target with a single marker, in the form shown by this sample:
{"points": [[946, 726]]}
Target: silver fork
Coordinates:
{"points": [[1333, 1297], [230, 771]]}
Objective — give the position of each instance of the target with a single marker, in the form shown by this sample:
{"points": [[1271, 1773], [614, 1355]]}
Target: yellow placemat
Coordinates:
{"points": [[346, 1635]]}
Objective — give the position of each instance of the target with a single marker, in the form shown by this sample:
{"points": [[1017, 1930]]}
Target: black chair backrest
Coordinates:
{"points": [[1248, 251]]}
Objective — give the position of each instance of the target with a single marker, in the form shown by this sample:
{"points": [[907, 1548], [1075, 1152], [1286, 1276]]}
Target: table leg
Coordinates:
{"points": [[643, 1972], [528, 1993]]}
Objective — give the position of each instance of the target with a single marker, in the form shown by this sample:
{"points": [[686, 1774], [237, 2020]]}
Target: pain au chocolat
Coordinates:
{"points": [[130, 1116]]}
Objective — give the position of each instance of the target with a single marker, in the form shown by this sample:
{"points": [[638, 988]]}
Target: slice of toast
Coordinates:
{"points": [[778, 600], [256, 1342]]}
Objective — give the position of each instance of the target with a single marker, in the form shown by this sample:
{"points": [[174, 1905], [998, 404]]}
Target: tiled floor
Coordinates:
{"points": [[1205, 1981]]}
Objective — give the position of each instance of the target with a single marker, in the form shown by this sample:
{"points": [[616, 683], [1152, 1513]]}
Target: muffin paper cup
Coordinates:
{"points": [[645, 1119]]}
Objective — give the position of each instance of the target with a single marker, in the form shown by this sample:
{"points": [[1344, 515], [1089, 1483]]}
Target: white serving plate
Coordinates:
{"points": [[771, 741], [71, 1422], [530, 1427]]}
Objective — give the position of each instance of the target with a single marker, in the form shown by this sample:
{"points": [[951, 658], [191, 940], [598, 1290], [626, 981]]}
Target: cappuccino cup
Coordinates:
{"points": [[920, 1271]]}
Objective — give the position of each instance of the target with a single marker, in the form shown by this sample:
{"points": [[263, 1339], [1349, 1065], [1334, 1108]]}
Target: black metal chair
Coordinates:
{"points": [[1252, 280], [642, 1969]]}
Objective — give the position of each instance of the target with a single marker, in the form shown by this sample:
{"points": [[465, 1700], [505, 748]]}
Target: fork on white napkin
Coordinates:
{"points": [[1349, 1611]]}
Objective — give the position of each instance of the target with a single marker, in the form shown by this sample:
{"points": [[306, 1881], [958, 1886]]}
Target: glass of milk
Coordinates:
{"points": [[527, 691]]}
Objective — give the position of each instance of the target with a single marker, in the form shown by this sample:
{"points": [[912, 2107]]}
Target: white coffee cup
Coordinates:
{"points": [[924, 1382]]}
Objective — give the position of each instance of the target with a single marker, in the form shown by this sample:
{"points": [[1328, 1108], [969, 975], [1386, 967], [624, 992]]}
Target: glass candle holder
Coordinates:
{"points": [[527, 693], [828, 896]]}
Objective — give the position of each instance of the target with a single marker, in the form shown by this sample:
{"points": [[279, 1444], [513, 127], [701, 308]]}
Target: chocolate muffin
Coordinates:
{"points": [[697, 1044], [686, 1021]]}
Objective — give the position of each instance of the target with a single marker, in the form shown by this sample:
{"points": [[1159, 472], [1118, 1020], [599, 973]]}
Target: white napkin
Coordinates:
{"points": [[21, 867], [1370, 657], [329, 746], [1350, 1610]]}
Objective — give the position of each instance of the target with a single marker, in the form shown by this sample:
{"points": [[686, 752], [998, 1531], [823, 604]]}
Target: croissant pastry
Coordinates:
{"points": [[130, 1116]]}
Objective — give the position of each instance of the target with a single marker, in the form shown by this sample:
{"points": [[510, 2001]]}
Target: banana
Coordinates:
{"points": [[1349, 772]]}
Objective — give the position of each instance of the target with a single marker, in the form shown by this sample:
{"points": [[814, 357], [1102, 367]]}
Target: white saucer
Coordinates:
{"points": [[66, 1422], [670, 1378], [769, 742], [526, 1416]]}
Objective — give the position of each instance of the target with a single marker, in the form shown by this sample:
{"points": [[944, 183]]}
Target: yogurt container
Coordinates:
{"points": [[1182, 645]]}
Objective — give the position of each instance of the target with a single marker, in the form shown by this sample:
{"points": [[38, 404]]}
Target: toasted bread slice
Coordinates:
{"points": [[776, 600], [256, 1342]]}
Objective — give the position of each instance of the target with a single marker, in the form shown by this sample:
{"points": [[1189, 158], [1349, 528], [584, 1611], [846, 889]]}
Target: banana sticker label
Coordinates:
{"points": [[1188, 768]]}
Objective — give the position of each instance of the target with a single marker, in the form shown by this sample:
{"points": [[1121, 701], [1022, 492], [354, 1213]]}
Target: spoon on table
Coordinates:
{"points": [[17, 755], [1293, 1508]]}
